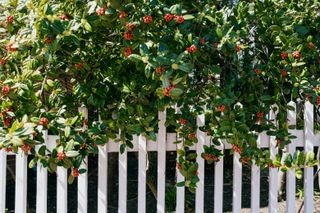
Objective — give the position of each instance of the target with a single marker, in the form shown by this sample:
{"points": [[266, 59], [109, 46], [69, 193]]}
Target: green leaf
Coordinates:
{"points": [[86, 25], [70, 179], [135, 58], [188, 17], [72, 153], [67, 130], [176, 92], [210, 19]]}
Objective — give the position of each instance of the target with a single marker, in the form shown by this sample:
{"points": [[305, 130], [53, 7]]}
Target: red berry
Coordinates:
{"points": [[11, 46], [5, 90], [202, 40], [191, 136], [122, 15], [183, 121], [44, 121], [310, 45], [221, 108], [168, 17], [257, 71], [100, 11], [215, 44], [85, 122], [26, 148], [283, 73], [179, 19], [128, 52], [75, 172], [159, 70], [63, 17], [308, 96], [296, 54], [7, 122], [207, 156], [192, 48], [130, 26], [215, 158], [147, 19], [79, 65], [260, 114], [238, 48], [9, 19], [3, 61], [61, 155], [48, 41], [128, 36], [284, 55], [8, 149], [236, 148], [318, 100]]}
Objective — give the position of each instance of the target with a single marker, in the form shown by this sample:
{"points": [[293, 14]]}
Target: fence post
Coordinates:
{"points": [[161, 142], [21, 182], [255, 183]]}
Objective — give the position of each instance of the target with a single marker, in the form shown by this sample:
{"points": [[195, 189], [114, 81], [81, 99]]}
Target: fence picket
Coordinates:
{"points": [[42, 182], [291, 178], [103, 179], [123, 159], [201, 136], [255, 184], [237, 183], [3, 173], [180, 196], [83, 178], [218, 185], [161, 163], [21, 182], [142, 176], [308, 146], [273, 172], [62, 190]]}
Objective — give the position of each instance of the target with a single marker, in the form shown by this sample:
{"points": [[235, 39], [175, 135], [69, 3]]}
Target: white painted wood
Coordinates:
{"points": [[123, 167], [291, 178], [255, 184], [3, 173], [218, 185], [103, 179], [161, 162], [83, 178], [62, 190], [237, 183], [308, 146], [42, 182], [201, 136], [142, 175], [273, 173], [21, 182], [180, 196]]}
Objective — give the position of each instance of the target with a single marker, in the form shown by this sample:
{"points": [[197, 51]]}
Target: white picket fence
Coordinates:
{"points": [[305, 138]]}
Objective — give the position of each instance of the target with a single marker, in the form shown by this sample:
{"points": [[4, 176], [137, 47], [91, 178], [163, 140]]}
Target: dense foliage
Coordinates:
{"points": [[127, 60]]}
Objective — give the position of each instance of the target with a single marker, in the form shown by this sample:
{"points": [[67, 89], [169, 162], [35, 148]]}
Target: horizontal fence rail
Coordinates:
{"points": [[166, 142]]}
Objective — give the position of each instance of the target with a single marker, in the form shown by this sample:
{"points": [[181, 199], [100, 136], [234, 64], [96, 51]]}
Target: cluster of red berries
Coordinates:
{"points": [[238, 48], [296, 55], [236, 148], [147, 19], [7, 120], [5, 90], [3, 61], [79, 65], [11, 46], [63, 17], [259, 116], [128, 35], [192, 136], [257, 71], [283, 72], [127, 51], [75, 172], [61, 156], [221, 108], [284, 55], [122, 15], [166, 91], [43, 121], [209, 156], [48, 41], [202, 40], [159, 70], [100, 11], [26, 148], [318, 100], [183, 121], [192, 49], [9, 19], [168, 17], [130, 26]]}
